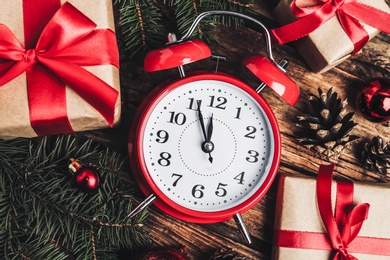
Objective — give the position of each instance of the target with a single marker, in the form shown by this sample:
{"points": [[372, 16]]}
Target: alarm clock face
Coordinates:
{"points": [[222, 167]]}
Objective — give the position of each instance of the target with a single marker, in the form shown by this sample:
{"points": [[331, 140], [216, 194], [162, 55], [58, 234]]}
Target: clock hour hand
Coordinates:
{"points": [[200, 116], [207, 146]]}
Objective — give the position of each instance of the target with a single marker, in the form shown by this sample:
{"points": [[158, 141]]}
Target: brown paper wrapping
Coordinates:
{"points": [[297, 209], [327, 46], [14, 111]]}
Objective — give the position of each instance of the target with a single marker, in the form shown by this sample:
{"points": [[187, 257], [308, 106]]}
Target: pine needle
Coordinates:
{"points": [[141, 22], [44, 216]]}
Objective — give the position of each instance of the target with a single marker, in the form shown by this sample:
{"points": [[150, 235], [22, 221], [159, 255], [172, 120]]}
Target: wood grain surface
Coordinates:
{"points": [[201, 241]]}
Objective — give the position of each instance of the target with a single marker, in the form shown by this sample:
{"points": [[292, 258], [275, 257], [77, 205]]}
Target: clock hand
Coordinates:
{"points": [[210, 129], [207, 145], [200, 115]]}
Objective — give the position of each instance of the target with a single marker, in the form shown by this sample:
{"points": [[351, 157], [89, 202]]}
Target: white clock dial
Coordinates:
{"points": [[241, 144]]}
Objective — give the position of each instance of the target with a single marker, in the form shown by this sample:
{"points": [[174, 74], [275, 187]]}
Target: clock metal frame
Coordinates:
{"points": [[146, 182], [176, 54]]}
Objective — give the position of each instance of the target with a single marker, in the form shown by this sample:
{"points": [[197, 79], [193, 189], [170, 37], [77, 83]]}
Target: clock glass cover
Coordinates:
{"points": [[208, 143]]}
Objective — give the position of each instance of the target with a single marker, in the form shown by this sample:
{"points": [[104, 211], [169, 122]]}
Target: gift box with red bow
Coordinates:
{"points": [[327, 32], [59, 67], [331, 219]]}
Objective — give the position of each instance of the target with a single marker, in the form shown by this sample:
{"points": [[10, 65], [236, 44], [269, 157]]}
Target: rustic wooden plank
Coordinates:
{"points": [[199, 241]]}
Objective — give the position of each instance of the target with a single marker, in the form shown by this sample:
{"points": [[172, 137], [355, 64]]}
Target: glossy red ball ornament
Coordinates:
{"points": [[166, 254], [373, 100], [86, 178]]}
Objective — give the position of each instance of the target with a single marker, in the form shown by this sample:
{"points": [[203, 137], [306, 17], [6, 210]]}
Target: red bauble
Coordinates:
{"points": [[166, 254], [373, 100], [86, 178]]}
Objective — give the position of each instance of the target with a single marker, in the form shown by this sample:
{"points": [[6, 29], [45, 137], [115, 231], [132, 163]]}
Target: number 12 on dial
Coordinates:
{"points": [[206, 147]]}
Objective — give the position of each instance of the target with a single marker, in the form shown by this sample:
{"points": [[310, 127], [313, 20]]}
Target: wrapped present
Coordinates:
{"points": [[59, 67], [328, 32], [331, 219]]}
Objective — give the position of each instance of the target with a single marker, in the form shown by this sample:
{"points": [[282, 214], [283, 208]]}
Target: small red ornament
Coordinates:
{"points": [[86, 178], [373, 100], [166, 254]]}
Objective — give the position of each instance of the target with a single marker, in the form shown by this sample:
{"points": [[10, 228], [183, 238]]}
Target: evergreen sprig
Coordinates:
{"points": [[140, 24], [141, 21], [44, 216], [187, 10]]}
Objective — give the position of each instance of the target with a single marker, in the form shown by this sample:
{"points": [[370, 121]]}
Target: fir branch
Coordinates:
{"points": [[93, 245], [247, 4], [13, 153], [43, 216], [140, 25], [187, 10], [5, 212], [243, 7], [141, 21], [36, 248]]}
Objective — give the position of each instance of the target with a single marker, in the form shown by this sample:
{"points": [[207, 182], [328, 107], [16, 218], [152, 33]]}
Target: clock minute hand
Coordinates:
{"points": [[207, 146], [210, 129]]}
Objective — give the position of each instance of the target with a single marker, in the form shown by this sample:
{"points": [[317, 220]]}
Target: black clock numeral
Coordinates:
{"points": [[164, 160], [197, 191], [163, 136], [253, 156], [238, 113], [192, 104], [240, 178], [222, 101], [177, 118], [178, 177], [221, 191], [252, 130]]}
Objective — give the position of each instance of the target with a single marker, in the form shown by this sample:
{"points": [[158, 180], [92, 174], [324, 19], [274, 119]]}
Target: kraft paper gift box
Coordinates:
{"points": [[301, 233], [75, 41], [329, 45]]}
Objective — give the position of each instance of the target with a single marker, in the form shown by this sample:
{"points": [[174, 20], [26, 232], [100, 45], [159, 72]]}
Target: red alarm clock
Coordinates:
{"points": [[206, 148]]}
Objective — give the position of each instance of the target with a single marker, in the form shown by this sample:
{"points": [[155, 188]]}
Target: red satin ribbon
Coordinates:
{"points": [[349, 13], [342, 227], [320, 241], [59, 40], [345, 226]]}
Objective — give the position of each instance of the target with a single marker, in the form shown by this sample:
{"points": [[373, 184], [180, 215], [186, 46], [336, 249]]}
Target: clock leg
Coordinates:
{"points": [[242, 228], [143, 205]]}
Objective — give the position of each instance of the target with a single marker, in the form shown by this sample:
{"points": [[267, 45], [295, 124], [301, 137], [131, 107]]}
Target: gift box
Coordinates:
{"points": [[329, 32], [331, 219], [59, 67]]}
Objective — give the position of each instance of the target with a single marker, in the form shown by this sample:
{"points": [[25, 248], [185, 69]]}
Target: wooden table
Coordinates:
{"points": [[201, 241]]}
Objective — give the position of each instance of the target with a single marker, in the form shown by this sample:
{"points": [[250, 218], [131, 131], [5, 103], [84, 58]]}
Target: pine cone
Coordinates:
{"points": [[227, 254], [326, 130], [376, 156]]}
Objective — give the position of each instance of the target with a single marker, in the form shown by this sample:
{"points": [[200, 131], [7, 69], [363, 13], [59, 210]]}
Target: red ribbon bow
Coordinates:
{"points": [[349, 13], [344, 227], [53, 59]]}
